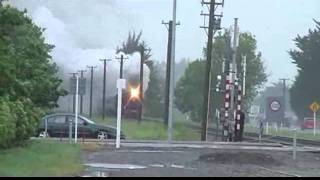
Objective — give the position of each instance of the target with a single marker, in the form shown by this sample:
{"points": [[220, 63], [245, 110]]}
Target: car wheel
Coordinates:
{"points": [[102, 136], [44, 134]]}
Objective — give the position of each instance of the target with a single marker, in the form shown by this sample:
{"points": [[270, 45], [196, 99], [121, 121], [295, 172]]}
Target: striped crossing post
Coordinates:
{"points": [[227, 100], [237, 133]]}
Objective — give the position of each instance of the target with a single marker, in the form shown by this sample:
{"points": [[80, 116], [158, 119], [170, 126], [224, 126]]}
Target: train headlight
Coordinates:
{"points": [[134, 93]]}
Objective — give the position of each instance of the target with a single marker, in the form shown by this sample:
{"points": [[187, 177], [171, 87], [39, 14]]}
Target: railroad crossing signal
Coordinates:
{"points": [[314, 107]]}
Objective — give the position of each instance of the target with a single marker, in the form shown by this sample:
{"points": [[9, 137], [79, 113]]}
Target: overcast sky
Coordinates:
{"points": [[94, 28]]}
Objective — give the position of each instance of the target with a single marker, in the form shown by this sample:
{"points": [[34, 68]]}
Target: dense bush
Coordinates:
{"points": [[18, 121], [7, 124], [29, 84]]}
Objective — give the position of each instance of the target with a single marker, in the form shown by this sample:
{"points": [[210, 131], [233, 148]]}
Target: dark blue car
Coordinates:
{"points": [[58, 125]]}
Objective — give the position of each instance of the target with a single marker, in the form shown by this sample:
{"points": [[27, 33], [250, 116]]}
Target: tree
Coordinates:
{"points": [[305, 89], [133, 45], [190, 87], [188, 93], [154, 98], [29, 84]]}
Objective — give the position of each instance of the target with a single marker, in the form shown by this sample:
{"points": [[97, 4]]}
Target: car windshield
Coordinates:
{"points": [[88, 120]]}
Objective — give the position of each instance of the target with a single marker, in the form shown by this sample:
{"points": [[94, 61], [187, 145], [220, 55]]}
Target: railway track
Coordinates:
{"points": [[285, 140], [254, 137]]}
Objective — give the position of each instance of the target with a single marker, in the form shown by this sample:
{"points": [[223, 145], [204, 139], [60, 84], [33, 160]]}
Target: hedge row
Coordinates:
{"points": [[18, 121]]}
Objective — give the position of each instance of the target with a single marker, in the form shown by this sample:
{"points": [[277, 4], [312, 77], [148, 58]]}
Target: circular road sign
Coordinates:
{"points": [[275, 105]]}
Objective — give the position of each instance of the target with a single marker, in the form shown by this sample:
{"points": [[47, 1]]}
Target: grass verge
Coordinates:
{"points": [[153, 129], [41, 159]]}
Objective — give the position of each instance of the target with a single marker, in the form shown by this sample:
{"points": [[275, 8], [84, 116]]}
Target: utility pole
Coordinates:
{"points": [[121, 69], [284, 94], [168, 69], [121, 64], [233, 75], [142, 61], [104, 87], [172, 71], [74, 95], [244, 75], [91, 88], [214, 24], [81, 95]]}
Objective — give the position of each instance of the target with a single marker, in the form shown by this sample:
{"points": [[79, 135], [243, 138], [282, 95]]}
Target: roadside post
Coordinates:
{"points": [[70, 131], [314, 108], [46, 128], [294, 144], [260, 130], [121, 84], [76, 110], [314, 123]]}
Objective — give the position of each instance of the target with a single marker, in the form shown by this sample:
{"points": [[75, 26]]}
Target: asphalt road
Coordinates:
{"points": [[190, 162]]}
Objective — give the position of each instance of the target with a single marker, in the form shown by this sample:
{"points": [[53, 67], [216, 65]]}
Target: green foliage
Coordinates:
{"points": [[154, 96], [29, 83], [7, 124], [306, 90], [189, 91], [255, 77]]}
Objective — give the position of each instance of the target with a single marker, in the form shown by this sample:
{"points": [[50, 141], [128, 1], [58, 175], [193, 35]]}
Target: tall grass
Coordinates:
{"points": [[41, 158], [152, 129]]}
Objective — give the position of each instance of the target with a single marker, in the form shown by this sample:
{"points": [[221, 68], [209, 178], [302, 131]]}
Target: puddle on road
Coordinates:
{"points": [[115, 166], [104, 170], [97, 174], [171, 166], [157, 165], [146, 151]]}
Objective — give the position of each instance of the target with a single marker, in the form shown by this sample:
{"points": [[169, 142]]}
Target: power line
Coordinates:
{"points": [[81, 96], [121, 58], [104, 87], [142, 62], [168, 69], [91, 88], [214, 25], [284, 80], [172, 71]]}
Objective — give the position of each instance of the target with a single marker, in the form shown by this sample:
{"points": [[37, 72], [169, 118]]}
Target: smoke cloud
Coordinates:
{"points": [[84, 32]]}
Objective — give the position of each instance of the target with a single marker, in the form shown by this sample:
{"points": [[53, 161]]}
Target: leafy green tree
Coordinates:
{"points": [[26, 69], [189, 91], [306, 89], [29, 84], [154, 97]]}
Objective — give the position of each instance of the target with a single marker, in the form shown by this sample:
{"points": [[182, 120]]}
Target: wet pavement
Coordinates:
{"points": [[195, 162]]}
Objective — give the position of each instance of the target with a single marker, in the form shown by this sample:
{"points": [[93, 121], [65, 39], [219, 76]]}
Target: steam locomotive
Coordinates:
{"points": [[131, 103]]}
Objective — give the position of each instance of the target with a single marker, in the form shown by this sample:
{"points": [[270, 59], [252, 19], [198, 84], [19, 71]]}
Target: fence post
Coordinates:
{"points": [[295, 144], [46, 128], [70, 131]]}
